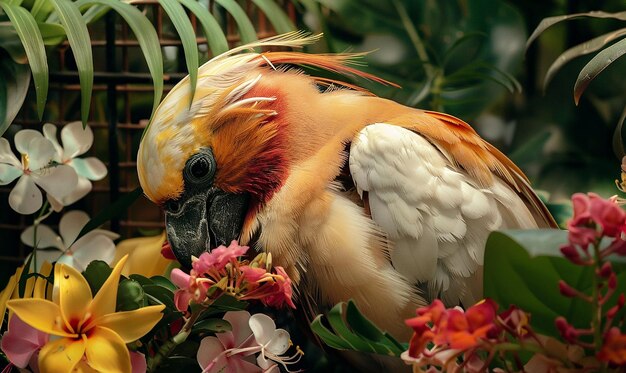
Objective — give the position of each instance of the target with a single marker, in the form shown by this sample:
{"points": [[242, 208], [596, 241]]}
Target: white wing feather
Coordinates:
{"points": [[436, 215]]}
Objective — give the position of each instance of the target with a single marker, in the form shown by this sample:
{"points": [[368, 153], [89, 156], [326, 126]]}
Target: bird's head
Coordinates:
{"points": [[214, 164]]}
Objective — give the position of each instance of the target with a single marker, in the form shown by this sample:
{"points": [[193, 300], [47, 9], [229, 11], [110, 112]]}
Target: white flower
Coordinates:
{"points": [[76, 141], [273, 342], [34, 169], [95, 245]]}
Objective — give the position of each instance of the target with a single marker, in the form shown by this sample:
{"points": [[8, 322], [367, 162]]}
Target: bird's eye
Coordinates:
{"points": [[200, 167]]}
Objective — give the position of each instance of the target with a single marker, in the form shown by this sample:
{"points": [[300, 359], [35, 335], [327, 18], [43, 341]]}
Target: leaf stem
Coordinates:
{"points": [[166, 349]]}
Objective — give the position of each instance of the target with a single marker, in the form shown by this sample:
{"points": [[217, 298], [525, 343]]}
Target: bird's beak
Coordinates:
{"points": [[203, 221]]}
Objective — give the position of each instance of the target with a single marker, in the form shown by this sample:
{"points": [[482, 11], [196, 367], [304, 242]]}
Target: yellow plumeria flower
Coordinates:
{"points": [[92, 335]]}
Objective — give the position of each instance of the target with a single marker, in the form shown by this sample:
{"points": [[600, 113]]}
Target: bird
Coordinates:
{"points": [[355, 196]]}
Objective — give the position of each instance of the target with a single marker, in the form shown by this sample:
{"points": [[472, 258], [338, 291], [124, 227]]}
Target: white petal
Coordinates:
{"points": [[40, 153], [76, 140], [263, 362], [50, 133], [279, 343], [91, 168], [49, 256], [59, 181], [210, 348], [239, 320], [25, 198], [83, 187], [71, 224], [8, 173], [45, 237], [90, 248], [6, 154], [23, 138], [263, 328], [69, 260], [112, 235], [56, 205]]}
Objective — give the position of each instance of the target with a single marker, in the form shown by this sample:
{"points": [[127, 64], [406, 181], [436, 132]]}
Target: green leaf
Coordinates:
{"points": [[78, 37], [187, 35], [597, 64], [11, 43], [130, 296], [551, 21], [352, 331], [146, 36], [52, 33], [96, 274], [327, 336], [246, 29], [164, 282], [618, 142], [116, 209], [41, 10], [226, 303], [32, 41], [14, 81], [212, 30], [212, 325], [141, 279], [160, 294], [580, 50], [281, 22]]}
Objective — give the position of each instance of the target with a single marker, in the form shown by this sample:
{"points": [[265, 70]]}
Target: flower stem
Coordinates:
{"points": [[166, 349], [596, 307]]}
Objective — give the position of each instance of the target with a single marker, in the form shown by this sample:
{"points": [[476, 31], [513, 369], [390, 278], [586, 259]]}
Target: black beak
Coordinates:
{"points": [[203, 220]]}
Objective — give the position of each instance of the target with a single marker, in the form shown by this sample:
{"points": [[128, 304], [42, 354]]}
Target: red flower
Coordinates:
{"points": [[614, 347], [593, 218], [422, 332], [283, 293], [465, 330]]}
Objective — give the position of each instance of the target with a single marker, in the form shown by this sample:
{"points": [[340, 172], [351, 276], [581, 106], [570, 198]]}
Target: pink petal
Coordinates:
{"points": [[138, 362], [210, 349], [21, 341], [180, 278]]}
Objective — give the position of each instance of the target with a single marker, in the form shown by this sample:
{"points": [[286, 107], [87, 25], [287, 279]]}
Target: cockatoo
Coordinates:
{"points": [[356, 196]]}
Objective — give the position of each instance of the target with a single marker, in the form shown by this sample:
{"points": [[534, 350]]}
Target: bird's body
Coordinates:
{"points": [[354, 195]]}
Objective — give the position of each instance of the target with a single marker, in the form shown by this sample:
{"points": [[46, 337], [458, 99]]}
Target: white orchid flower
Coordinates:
{"points": [[95, 245], [36, 168], [76, 141]]}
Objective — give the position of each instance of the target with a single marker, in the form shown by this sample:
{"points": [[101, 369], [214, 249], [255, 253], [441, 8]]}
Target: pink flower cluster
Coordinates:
{"points": [[220, 271], [594, 218]]}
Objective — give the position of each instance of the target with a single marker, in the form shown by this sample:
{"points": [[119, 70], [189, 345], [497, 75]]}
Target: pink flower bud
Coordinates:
{"points": [[571, 253], [612, 283], [567, 290], [606, 270], [568, 332]]}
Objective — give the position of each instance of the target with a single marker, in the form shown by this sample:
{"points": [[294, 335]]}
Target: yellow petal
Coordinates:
{"points": [[62, 355], [5, 295], [16, 290], [132, 325], [106, 298], [83, 367], [41, 284], [41, 314], [144, 255], [74, 294], [106, 351]]}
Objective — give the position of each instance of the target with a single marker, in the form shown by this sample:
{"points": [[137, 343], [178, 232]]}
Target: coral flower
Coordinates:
{"points": [[92, 335], [614, 347], [465, 330]]}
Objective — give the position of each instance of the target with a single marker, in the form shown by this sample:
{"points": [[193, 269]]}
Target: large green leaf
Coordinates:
{"points": [[597, 64], [551, 21], [146, 36], [78, 37], [52, 33], [246, 29], [32, 41], [11, 43], [212, 30], [14, 81], [524, 267], [353, 331], [42, 10], [582, 49], [281, 22], [187, 35]]}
